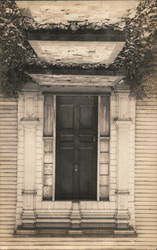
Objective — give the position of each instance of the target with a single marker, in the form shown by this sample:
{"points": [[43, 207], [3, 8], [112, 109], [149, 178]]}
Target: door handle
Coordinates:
{"points": [[75, 168]]}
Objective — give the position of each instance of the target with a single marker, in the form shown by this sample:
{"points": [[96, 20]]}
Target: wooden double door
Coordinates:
{"points": [[76, 147]]}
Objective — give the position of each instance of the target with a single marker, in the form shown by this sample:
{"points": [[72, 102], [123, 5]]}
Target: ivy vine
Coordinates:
{"points": [[16, 52], [140, 32]]}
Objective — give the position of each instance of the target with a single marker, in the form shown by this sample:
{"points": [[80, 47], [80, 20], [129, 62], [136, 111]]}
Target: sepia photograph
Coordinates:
{"points": [[78, 125]]}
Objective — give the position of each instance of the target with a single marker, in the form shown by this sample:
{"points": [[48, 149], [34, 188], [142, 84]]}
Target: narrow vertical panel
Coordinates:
{"points": [[104, 145], [48, 147], [104, 193], [48, 150], [104, 157], [104, 116], [48, 115], [47, 192], [104, 133], [104, 169], [48, 144], [48, 169], [104, 183], [103, 180], [47, 180]]}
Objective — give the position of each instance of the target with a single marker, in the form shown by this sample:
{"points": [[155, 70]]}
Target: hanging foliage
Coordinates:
{"points": [[15, 51], [140, 32]]}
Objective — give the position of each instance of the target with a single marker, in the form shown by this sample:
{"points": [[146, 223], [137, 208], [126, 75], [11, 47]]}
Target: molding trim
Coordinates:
{"points": [[121, 192], [26, 191]]}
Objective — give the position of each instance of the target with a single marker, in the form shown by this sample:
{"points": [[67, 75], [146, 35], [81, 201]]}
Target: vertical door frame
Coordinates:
{"points": [[98, 149], [97, 152], [54, 150]]}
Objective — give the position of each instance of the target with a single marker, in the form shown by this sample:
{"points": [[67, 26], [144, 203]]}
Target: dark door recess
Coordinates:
{"points": [[76, 154]]}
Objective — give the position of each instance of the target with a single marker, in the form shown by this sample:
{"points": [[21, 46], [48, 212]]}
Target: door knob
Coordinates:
{"points": [[76, 168]]}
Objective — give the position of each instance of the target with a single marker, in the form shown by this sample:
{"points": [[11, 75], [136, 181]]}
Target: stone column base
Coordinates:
{"points": [[28, 219], [122, 220]]}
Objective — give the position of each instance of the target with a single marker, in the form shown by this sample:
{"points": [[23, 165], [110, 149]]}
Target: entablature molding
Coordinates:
{"points": [[64, 84]]}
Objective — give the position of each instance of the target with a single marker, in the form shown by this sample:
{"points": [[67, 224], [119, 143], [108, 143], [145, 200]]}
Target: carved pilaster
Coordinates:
{"points": [[29, 122], [123, 122]]}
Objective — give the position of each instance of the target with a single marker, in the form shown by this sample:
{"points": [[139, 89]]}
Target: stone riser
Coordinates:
{"points": [[75, 233]]}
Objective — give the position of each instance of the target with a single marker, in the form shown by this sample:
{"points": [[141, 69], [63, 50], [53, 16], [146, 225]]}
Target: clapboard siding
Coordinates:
{"points": [[8, 157], [146, 169]]}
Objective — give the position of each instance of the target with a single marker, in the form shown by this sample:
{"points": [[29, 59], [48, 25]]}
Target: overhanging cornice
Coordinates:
{"points": [[75, 53], [75, 15]]}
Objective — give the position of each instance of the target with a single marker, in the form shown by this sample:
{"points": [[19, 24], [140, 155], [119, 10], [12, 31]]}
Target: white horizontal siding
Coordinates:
{"points": [[146, 170], [8, 154]]}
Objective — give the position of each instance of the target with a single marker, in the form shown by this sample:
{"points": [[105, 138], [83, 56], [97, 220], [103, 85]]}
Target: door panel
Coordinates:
{"points": [[66, 118], [76, 161], [87, 173], [86, 116], [65, 165]]}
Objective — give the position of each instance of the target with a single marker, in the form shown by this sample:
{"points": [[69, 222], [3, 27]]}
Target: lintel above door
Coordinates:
{"points": [[93, 84]]}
